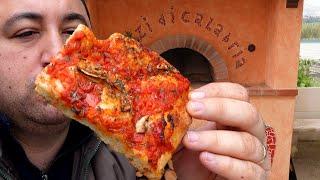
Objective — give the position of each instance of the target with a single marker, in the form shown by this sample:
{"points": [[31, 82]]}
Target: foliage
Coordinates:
{"points": [[304, 77], [311, 19], [310, 30], [316, 82]]}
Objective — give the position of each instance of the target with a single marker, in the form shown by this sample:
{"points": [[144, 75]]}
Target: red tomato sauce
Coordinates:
{"points": [[82, 95]]}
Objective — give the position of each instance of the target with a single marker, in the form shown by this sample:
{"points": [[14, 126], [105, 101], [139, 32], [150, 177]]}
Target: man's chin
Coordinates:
{"points": [[42, 119], [45, 114], [52, 116]]}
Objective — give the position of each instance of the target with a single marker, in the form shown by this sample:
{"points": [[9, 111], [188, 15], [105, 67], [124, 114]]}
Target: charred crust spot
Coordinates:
{"points": [[163, 66], [10, 87], [162, 131], [75, 110], [74, 97], [130, 49], [98, 108], [98, 67], [166, 67], [141, 178], [83, 112], [164, 122], [173, 69], [125, 104], [171, 120], [162, 136], [119, 84]]}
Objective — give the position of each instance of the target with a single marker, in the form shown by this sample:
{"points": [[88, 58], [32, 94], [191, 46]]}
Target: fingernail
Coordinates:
{"points": [[209, 156], [192, 136], [197, 95], [196, 106]]}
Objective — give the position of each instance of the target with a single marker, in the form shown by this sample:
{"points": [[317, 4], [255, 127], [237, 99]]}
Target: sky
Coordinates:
{"points": [[311, 8]]}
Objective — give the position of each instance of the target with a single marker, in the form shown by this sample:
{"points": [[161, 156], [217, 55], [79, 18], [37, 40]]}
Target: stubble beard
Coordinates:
{"points": [[34, 115]]}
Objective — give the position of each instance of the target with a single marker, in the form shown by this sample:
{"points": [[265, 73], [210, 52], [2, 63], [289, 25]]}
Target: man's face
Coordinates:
{"points": [[31, 31]]}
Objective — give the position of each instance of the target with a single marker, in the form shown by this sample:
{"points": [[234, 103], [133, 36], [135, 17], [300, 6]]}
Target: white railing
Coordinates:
{"points": [[308, 103]]}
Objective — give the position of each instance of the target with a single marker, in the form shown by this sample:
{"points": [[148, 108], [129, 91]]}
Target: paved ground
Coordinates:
{"points": [[307, 160]]}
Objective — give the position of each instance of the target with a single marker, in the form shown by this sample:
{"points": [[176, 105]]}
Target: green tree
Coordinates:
{"points": [[310, 31], [304, 77]]}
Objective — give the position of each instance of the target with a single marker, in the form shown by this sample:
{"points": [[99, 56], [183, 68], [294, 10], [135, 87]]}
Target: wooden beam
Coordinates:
{"points": [[292, 3]]}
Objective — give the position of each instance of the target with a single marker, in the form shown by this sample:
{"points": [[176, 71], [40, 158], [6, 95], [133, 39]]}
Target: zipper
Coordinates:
{"points": [[88, 159], [4, 175], [44, 176]]}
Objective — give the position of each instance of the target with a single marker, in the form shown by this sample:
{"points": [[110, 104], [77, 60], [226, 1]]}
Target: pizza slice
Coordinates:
{"points": [[128, 95]]}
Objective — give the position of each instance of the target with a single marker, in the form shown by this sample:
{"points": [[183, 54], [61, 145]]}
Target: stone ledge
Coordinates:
{"points": [[307, 129]]}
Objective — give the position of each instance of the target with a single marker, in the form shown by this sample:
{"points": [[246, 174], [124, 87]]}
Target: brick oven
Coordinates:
{"points": [[251, 42]]}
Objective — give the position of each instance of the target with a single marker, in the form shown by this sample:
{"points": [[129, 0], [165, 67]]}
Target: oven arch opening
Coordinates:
{"points": [[196, 46], [191, 64]]}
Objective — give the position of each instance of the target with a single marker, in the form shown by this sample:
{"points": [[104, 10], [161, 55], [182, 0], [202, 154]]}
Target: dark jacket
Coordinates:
{"points": [[92, 161]]}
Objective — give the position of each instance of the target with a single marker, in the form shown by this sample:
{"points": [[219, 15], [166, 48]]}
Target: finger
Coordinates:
{"points": [[231, 168], [202, 125], [240, 145], [229, 112], [221, 89]]}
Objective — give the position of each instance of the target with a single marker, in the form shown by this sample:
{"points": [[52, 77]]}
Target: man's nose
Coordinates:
{"points": [[52, 45]]}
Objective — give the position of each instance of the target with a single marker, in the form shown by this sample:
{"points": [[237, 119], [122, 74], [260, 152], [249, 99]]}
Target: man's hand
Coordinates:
{"points": [[231, 145]]}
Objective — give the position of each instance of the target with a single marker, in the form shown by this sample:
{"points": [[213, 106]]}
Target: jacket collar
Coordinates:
{"points": [[80, 139], [4, 122]]}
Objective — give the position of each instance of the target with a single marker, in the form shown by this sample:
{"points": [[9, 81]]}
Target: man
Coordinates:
{"points": [[40, 143]]}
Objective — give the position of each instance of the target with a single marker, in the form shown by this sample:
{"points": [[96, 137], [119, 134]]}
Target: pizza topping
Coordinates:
{"points": [[125, 104], [92, 100], [149, 68], [169, 172], [74, 96], [141, 125], [75, 110], [169, 118], [59, 85], [163, 66], [124, 90], [170, 164], [119, 85], [170, 175], [91, 70]]}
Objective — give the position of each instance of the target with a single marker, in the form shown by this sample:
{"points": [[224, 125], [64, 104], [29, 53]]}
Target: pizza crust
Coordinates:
{"points": [[155, 129]]}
